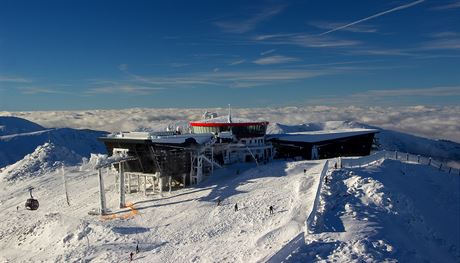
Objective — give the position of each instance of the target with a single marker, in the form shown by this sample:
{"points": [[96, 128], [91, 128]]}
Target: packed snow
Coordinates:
{"points": [[186, 225]]}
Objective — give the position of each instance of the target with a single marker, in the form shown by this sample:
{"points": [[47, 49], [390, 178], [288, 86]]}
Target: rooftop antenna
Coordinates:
{"points": [[229, 114]]}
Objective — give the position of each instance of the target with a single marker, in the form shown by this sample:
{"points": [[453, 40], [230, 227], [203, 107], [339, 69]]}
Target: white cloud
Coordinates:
{"points": [[241, 61], [131, 89], [246, 78], [432, 92], [357, 28], [453, 5], [246, 25], [41, 90], [14, 79], [428, 121], [305, 40], [442, 44], [123, 67], [277, 59], [267, 52]]}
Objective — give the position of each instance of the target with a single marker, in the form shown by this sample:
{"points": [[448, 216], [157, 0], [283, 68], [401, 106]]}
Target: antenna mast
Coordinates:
{"points": [[229, 114]]}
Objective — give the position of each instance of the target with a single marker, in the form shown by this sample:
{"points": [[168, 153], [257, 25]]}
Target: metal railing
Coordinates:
{"points": [[349, 162]]}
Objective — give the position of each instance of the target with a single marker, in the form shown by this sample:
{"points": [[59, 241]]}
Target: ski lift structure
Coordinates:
{"points": [[31, 203], [119, 158]]}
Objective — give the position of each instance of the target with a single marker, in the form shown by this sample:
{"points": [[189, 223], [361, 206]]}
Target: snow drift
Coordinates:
{"points": [[386, 212]]}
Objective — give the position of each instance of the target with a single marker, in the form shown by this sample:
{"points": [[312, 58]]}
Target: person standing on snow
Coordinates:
{"points": [[271, 210], [131, 256], [218, 202], [236, 207]]}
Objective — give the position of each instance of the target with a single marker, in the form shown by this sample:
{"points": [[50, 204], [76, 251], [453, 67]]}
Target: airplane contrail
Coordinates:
{"points": [[374, 16]]}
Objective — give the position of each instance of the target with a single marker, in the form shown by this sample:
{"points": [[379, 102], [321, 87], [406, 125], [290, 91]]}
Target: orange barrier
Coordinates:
{"points": [[133, 211]]}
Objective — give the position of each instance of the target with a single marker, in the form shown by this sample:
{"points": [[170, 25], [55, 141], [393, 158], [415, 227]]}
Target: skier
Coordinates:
{"points": [[131, 256], [218, 202], [236, 207], [271, 210], [304, 171], [335, 166], [326, 179], [137, 248]]}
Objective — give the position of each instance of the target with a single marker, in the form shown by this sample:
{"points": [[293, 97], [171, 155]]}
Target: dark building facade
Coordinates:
{"points": [[322, 146]]}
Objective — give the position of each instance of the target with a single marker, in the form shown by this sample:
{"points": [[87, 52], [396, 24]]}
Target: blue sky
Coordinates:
{"points": [[65, 55]]}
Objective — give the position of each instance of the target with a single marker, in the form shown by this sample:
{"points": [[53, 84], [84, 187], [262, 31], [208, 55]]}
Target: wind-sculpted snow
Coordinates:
{"points": [[45, 159], [387, 212]]}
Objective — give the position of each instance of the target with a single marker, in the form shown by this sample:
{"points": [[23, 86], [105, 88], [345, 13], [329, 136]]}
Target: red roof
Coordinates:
{"points": [[226, 124]]}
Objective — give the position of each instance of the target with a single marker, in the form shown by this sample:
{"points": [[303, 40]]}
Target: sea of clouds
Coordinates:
{"points": [[428, 121]]}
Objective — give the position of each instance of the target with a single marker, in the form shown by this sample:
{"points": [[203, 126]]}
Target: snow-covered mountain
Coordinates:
{"points": [[19, 137], [14, 125]]}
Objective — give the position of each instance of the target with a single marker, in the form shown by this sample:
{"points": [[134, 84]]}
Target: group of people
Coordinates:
{"points": [[270, 208], [131, 255]]}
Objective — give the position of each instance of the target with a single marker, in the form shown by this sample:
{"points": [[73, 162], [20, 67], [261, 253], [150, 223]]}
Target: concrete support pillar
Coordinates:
{"points": [[129, 183], [184, 177], [145, 185], [101, 193], [160, 184], [212, 159], [169, 183], [122, 185], [199, 172], [192, 160]]}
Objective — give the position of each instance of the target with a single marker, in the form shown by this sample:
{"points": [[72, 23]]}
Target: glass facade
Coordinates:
{"points": [[240, 131]]}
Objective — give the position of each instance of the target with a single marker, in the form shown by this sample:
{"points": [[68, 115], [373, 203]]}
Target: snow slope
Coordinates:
{"points": [[392, 212], [14, 125], [184, 226], [21, 137]]}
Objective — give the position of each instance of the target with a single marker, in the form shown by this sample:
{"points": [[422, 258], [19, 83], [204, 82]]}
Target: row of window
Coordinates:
{"points": [[239, 131], [253, 141]]}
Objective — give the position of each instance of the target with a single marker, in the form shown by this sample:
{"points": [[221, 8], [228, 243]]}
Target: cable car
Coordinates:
{"points": [[31, 203]]}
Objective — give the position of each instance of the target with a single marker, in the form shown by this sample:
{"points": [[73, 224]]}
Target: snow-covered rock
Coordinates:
{"points": [[44, 159], [92, 162]]}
